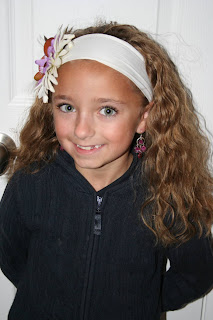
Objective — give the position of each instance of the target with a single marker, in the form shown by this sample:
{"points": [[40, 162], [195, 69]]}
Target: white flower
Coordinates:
{"points": [[59, 47]]}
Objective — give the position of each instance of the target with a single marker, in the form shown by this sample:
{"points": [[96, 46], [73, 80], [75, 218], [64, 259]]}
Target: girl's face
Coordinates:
{"points": [[97, 112]]}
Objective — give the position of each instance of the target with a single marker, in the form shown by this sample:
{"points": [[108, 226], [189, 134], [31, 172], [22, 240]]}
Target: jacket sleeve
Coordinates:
{"points": [[190, 275], [14, 236]]}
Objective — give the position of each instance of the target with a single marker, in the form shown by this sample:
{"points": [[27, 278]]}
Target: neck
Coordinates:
{"points": [[104, 176]]}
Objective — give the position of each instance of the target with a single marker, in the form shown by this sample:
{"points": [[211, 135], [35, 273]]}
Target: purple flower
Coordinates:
{"points": [[43, 64], [51, 50]]}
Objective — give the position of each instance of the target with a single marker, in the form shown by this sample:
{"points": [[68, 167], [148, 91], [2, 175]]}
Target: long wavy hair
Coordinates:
{"points": [[176, 161]]}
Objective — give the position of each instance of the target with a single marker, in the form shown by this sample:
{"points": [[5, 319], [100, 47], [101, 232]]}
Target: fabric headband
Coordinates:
{"points": [[103, 48]]}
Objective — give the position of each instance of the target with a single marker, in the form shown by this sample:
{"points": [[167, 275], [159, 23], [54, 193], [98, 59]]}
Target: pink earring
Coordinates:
{"points": [[140, 146]]}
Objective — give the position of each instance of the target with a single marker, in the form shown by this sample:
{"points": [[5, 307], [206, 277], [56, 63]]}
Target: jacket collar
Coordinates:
{"points": [[66, 164]]}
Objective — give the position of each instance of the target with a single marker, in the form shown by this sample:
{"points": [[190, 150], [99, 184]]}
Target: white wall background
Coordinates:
{"points": [[185, 28]]}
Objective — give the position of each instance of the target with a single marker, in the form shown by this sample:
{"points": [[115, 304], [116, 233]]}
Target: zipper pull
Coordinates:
{"points": [[97, 222]]}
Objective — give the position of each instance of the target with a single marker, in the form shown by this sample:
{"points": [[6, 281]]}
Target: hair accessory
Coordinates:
{"points": [[54, 49], [140, 147], [104, 48]]}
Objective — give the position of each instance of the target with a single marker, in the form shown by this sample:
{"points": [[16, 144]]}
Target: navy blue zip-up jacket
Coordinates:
{"points": [[77, 254]]}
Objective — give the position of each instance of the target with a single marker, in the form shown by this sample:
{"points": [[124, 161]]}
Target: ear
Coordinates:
{"points": [[142, 125]]}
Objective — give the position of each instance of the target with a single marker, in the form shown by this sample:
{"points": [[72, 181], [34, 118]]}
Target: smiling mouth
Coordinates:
{"points": [[89, 147]]}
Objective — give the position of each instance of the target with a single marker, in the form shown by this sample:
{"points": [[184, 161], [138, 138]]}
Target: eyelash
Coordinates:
{"points": [[103, 108]]}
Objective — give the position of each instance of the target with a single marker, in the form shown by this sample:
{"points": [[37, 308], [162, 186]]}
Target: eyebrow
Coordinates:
{"points": [[100, 100], [104, 100], [61, 97]]}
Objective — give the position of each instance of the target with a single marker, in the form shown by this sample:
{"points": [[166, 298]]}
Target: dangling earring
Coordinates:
{"points": [[140, 146]]}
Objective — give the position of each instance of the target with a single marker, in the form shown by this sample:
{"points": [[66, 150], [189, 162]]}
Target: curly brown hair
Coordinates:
{"points": [[176, 160]]}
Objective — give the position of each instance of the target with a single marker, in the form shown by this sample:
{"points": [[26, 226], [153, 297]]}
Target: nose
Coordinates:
{"points": [[84, 126]]}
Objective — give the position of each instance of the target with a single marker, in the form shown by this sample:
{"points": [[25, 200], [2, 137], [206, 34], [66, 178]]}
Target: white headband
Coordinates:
{"points": [[106, 49]]}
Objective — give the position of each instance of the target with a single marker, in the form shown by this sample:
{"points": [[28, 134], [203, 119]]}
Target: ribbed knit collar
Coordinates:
{"points": [[66, 162]]}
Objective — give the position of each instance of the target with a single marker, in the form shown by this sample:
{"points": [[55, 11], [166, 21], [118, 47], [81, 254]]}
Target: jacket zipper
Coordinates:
{"points": [[91, 258]]}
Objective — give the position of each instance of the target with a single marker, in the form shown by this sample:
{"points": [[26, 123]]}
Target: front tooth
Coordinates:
{"points": [[84, 148], [87, 148]]}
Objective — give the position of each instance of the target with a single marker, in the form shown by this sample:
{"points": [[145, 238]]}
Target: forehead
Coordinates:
{"points": [[90, 72]]}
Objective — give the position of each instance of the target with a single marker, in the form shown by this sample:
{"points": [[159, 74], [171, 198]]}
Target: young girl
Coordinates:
{"points": [[110, 180]]}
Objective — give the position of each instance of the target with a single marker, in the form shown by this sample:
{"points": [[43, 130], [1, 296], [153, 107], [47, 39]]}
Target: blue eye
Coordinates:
{"points": [[108, 111], [66, 108]]}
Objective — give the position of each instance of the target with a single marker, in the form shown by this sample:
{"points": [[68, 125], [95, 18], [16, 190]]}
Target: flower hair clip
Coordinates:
{"points": [[54, 49]]}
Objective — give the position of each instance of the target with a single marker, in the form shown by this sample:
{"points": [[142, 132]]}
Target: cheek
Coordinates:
{"points": [[61, 128], [121, 134]]}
